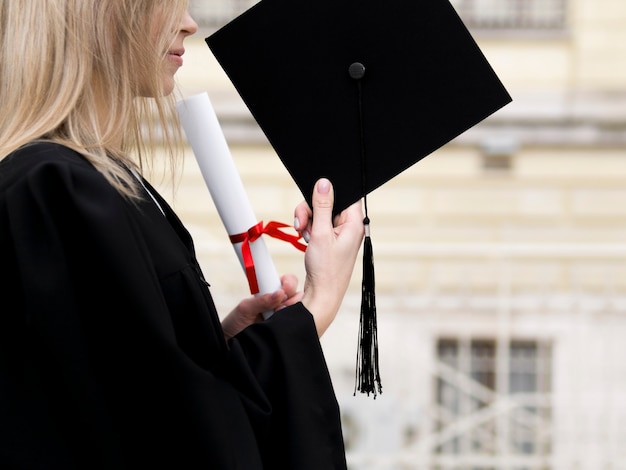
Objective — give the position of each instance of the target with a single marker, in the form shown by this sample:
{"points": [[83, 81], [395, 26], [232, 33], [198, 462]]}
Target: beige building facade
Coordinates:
{"points": [[500, 259]]}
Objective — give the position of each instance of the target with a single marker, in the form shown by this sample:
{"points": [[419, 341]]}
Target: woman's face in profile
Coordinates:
{"points": [[173, 58]]}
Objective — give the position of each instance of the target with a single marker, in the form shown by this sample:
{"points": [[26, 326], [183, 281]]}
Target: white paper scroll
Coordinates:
{"points": [[208, 143]]}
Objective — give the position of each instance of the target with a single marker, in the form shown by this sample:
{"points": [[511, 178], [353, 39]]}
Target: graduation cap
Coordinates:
{"points": [[357, 91]]}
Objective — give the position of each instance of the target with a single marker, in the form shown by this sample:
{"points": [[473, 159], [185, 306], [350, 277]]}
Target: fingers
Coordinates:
{"points": [[287, 295], [248, 311], [251, 307], [351, 219], [245, 314], [289, 284], [323, 200], [302, 217], [302, 220]]}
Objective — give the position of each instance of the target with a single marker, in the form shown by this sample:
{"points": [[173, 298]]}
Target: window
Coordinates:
{"points": [[492, 15], [216, 13], [533, 15], [492, 402]]}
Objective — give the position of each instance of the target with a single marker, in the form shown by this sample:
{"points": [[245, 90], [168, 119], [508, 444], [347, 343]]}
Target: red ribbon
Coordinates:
{"points": [[273, 230]]}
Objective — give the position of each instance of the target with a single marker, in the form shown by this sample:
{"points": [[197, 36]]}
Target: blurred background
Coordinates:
{"points": [[500, 259]]}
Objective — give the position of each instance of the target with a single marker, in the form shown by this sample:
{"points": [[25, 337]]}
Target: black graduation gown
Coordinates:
{"points": [[111, 351]]}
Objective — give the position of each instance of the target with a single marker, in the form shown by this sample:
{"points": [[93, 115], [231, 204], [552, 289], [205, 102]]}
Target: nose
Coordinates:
{"points": [[188, 25]]}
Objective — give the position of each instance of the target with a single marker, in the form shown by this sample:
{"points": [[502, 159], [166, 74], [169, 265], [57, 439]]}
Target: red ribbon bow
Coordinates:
{"points": [[273, 230]]}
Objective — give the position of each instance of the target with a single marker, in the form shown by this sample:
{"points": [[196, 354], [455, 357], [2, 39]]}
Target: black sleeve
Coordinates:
{"points": [[97, 368], [285, 356]]}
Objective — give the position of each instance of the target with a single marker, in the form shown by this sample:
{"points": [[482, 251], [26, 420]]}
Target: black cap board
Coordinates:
{"points": [[424, 81]]}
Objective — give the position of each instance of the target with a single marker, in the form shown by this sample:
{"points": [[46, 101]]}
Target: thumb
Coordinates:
{"points": [[323, 201]]}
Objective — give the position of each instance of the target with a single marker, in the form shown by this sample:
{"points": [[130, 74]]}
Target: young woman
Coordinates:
{"points": [[111, 352]]}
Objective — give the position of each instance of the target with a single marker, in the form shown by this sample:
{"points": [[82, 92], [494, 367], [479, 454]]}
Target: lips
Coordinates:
{"points": [[177, 56]]}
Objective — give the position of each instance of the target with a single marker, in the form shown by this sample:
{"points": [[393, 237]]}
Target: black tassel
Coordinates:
{"points": [[368, 373]]}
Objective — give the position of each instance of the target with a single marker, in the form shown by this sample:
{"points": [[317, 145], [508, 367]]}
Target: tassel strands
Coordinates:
{"points": [[367, 371]]}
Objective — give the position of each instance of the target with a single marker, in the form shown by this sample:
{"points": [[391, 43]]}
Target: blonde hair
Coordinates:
{"points": [[62, 62]]}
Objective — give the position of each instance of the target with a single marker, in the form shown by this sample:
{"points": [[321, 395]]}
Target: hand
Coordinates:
{"points": [[250, 310], [331, 254]]}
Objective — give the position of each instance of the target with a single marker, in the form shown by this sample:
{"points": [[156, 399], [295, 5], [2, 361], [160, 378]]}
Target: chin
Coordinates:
{"points": [[168, 86]]}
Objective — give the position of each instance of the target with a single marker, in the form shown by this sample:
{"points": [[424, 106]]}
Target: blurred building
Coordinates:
{"points": [[500, 259]]}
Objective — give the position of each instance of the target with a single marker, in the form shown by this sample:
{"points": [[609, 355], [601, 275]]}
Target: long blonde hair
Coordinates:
{"points": [[62, 62]]}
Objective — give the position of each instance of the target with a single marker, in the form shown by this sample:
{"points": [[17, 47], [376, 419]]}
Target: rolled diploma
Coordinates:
{"points": [[208, 143]]}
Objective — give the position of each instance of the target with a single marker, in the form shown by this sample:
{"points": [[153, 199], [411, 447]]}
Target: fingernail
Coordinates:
{"points": [[306, 235], [296, 223], [323, 186]]}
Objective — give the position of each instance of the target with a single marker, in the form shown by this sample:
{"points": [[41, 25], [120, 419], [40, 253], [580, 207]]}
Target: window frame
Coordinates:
{"points": [[476, 376]]}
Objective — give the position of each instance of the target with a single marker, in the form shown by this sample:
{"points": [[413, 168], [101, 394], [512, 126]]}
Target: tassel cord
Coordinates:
{"points": [[367, 378]]}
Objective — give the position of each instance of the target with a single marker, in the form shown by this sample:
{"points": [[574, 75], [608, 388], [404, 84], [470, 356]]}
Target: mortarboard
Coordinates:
{"points": [[357, 91]]}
